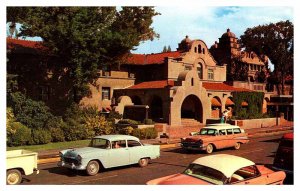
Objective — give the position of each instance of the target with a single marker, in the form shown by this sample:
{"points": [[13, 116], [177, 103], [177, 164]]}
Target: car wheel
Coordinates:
{"points": [[209, 148], [92, 168], [237, 146], [143, 162], [13, 177]]}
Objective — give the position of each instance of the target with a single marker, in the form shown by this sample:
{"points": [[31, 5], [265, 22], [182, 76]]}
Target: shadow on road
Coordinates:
{"points": [[169, 164], [66, 171], [271, 141]]}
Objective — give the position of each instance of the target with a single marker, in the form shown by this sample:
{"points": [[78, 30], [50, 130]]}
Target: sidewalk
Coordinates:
{"points": [[49, 156]]}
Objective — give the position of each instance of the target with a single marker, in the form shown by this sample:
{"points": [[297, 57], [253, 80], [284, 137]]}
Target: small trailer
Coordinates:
{"points": [[18, 163]]}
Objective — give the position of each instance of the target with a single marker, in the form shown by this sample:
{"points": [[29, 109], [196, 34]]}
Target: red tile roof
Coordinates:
{"points": [[12, 42], [153, 85], [222, 87], [146, 59]]}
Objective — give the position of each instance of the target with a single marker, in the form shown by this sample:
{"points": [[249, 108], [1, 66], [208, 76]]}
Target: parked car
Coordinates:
{"points": [[284, 158], [18, 163], [109, 151], [215, 136], [222, 169]]}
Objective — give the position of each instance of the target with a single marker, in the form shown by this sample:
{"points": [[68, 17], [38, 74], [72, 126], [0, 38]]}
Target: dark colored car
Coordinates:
{"points": [[284, 158]]}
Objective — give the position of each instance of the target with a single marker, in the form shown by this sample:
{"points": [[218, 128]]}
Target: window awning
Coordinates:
{"points": [[244, 103], [229, 102], [215, 102]]}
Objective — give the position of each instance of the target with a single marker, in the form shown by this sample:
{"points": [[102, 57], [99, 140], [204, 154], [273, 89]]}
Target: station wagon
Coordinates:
{"points": [[215, 136]]}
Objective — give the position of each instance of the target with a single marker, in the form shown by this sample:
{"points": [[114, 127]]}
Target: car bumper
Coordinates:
{"points": [[196, 148], [71, 165]]}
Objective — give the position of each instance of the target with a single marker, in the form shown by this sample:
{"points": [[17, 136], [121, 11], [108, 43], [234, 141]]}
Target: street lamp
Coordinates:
{"points": [[147, 108]]}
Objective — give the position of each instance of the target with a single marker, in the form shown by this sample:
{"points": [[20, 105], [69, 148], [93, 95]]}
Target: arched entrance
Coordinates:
{"points": [[192, 108], [136, 100], [156, 109]]}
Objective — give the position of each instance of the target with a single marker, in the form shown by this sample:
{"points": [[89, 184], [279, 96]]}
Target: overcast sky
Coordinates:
{"points": [[207, 23]]}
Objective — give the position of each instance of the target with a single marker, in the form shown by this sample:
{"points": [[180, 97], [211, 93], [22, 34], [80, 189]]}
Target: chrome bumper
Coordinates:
{"points": [[71, 165]]}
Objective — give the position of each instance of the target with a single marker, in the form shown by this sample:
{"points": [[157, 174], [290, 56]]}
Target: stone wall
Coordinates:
{"points": [[256, 123]]}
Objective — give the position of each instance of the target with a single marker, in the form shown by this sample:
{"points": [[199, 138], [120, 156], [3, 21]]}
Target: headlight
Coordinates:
{"points": [[182, 139], [60, 154], [79, 158], [200, 142]]}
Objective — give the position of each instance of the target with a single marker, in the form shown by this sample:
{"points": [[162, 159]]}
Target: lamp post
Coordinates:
{"points": [[147, 108]]}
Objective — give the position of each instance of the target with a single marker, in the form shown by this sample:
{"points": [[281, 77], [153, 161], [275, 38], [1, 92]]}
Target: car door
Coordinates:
{"points": [[230, 138], [119, 156], [136, 151]]}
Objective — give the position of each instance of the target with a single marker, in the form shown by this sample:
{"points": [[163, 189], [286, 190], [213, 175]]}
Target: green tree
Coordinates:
{"points": [[165, 49], [85, 38], [276, 40], [169, 49]]}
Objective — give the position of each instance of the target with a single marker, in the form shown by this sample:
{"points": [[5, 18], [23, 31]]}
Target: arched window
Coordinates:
{"points": [[192, 82], [195, 49], [199, 48], [200, 70], [203, 50]]}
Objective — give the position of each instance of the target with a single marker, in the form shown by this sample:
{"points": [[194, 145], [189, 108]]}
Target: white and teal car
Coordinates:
{"points": [[108, 151]]}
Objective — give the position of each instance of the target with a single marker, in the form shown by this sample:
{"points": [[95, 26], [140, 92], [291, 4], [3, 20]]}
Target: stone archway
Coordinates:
{"points": [[192, 108], [156, 109], [136, 100]]}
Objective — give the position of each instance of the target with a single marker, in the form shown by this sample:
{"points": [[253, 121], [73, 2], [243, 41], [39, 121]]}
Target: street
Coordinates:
{"points": [[259, 150]]}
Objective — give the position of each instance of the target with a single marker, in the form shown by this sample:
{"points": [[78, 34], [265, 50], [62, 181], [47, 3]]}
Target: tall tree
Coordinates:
{"points": [[86, 38], [276, 40]]}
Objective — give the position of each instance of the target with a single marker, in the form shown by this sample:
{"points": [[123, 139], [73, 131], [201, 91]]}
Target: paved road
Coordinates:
{"points": [[260, 150]]}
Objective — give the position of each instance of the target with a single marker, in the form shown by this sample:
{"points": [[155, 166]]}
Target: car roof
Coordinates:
{"points": [[219, 126], [227, 164], [117, 137]]}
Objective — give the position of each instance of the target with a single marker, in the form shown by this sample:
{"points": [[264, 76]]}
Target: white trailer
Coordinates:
{"points": [[18, 163]]}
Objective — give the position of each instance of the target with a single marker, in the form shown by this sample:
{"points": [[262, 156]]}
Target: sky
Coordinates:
{"points": [[207, 23]]}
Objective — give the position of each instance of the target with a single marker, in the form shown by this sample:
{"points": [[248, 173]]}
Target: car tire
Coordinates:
{"points": [[209, 148], [143, 162], [92, 168], [237, 146], [13, 177]]}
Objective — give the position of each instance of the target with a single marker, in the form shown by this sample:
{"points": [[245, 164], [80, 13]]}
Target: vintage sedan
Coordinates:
{"points": [[222, 169], [109, 151], [215, 136]]}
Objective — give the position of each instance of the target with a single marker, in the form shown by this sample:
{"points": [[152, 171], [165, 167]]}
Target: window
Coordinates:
{"points": [[199, 71], [105, 70], [105, 93], [236, 131], [199, 48], [187, 68], [222, 132], [118, 144], [44, 93], [244, 173], [100, 143], [210, 74], [203, 50], [192, 82], [132, 143], [229, 132], [195, 49]]}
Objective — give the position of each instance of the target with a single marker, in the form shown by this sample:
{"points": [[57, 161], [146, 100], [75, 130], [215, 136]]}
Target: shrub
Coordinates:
{"points": [[126, 130], [145, 133], [57, 134], [74, 131], [148, 122], [21, 136], [33, 114], [40, 136], [129, 122]]}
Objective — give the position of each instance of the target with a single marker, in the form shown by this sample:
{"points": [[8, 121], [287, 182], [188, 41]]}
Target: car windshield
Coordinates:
{"points": [[100, 143], [206, 131], [205, 173]]}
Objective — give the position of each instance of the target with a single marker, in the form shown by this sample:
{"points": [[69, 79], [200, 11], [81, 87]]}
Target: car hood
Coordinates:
{"points": [[178, 179], [81, 151]]}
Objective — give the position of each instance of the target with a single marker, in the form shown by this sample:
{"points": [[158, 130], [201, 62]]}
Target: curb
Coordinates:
{"points": [[173, 145]]}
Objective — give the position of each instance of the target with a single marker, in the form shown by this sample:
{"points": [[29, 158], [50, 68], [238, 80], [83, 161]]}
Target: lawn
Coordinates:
{"points": [[53, 146]]}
